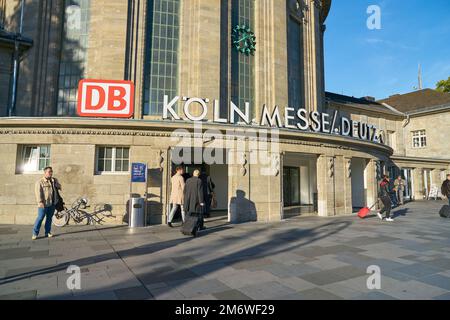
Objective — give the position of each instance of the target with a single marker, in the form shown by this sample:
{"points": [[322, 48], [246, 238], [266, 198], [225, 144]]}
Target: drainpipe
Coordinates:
{"points": [[16, 64]]}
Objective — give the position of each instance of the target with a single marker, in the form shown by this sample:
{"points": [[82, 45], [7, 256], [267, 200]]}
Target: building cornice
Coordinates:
{"points": [[421, 160], [96, 127]]}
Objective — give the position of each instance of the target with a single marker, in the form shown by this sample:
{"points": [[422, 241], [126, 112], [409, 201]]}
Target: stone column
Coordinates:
{"points": [[271, 83], [325, 185], [418, 184], [200, 50], [238, 186], [372, 182], [265, 188], [135, 51], [343, 186], [107, 39], [313, 31]]}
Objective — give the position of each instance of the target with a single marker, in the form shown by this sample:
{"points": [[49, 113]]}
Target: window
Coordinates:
{"points": [[33, 159], [419, 139], [295, 55], [113, 159], [161, 61], [242, 65], [73, 54]]}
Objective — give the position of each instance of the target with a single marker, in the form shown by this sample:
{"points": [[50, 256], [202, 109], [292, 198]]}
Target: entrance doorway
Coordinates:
{"points": [[359, 185], [299, 185], [217, 172]]}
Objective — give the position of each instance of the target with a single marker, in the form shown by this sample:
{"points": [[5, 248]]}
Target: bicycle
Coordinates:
{"points": [[80, 216]]}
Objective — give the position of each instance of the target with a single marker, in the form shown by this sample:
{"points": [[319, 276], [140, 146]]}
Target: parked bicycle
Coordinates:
{"points": [[80, 216]]}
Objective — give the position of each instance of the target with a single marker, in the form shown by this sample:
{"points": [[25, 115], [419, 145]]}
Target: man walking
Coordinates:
{"points": [[445, 189], [386, 199], [208, 191], [399, 188], [46, 191], [177, 195], [193, 197]]}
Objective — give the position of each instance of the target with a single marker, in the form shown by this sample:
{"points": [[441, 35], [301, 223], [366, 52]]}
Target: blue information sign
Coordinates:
{"points": [[138, 172]]}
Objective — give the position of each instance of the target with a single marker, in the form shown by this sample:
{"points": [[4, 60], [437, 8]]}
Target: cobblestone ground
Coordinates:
{"points": [[302, 258]]}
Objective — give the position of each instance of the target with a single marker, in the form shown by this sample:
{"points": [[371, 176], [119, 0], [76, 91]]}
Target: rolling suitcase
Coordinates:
{"points": [[191, 225], [364, 212], [445, 212]]}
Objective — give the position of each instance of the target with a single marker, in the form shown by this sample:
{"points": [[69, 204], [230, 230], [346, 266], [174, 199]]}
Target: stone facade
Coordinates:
{"points": [[117, 48]]}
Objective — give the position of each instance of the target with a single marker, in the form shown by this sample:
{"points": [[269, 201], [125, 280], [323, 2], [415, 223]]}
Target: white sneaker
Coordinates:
{"points": [[390, 220], [379, 216]]}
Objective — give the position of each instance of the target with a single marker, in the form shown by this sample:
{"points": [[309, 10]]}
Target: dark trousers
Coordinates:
{"points": [[387, 203]]}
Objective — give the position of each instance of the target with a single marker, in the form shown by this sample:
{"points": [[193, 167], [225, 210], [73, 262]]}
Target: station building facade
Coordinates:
{"points": [[252, 75]]}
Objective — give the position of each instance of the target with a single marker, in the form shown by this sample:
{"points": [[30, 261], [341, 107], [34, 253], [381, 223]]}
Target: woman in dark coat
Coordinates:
{"points": [[193, 197]]}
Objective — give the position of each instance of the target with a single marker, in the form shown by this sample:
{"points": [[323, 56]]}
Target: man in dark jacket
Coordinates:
{"points": [[208, 190], [445, 189], [193, 197], [386, 199]]}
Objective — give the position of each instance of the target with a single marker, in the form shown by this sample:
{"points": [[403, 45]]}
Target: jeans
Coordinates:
{"points": [[387, 206], [400, 196], [174, 211], [46, 213]]}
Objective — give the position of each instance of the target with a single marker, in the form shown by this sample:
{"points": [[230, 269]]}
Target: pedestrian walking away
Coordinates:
{"points": [[445, 189], [208, 187], [47, 198], [193, 198], [177, 195], [385, 198]]}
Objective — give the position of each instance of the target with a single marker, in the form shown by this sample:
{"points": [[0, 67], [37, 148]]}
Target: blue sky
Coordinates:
{"points": [[361, 62]]}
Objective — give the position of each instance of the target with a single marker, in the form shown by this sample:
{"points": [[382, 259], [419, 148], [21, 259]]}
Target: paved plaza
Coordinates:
{"points": [[302, 258]]}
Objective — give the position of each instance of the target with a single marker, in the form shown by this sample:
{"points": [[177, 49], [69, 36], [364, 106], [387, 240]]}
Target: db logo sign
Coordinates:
{"points": [[103, 98]]}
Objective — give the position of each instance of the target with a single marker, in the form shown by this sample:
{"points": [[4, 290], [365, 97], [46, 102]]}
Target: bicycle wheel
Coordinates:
{"points": [[61, 219]]}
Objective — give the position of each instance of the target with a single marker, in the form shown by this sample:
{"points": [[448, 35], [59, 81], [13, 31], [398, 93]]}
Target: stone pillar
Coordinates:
{"points": [[238, 186], [372, 183], [135, 52], [313, 31], [107, 39], [418, 184], [347, 185], [325, 186], [200, 50], [271, 83]]}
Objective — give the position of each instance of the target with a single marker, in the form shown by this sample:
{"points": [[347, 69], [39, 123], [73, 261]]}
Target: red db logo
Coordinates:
{"points": [[106, 98]]}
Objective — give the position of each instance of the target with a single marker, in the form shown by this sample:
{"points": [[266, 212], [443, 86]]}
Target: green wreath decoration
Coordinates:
{"points": [[244, 39]]}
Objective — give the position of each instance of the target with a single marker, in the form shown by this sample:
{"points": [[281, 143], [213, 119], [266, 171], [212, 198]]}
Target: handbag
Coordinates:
{"points": [[59, 206]]}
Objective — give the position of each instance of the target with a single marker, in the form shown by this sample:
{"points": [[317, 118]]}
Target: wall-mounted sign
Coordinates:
{"points": [[289, 118], [105, 98], [138, 172]]}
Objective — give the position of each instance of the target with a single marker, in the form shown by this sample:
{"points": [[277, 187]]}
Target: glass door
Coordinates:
{"points": [[407, 175]]}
